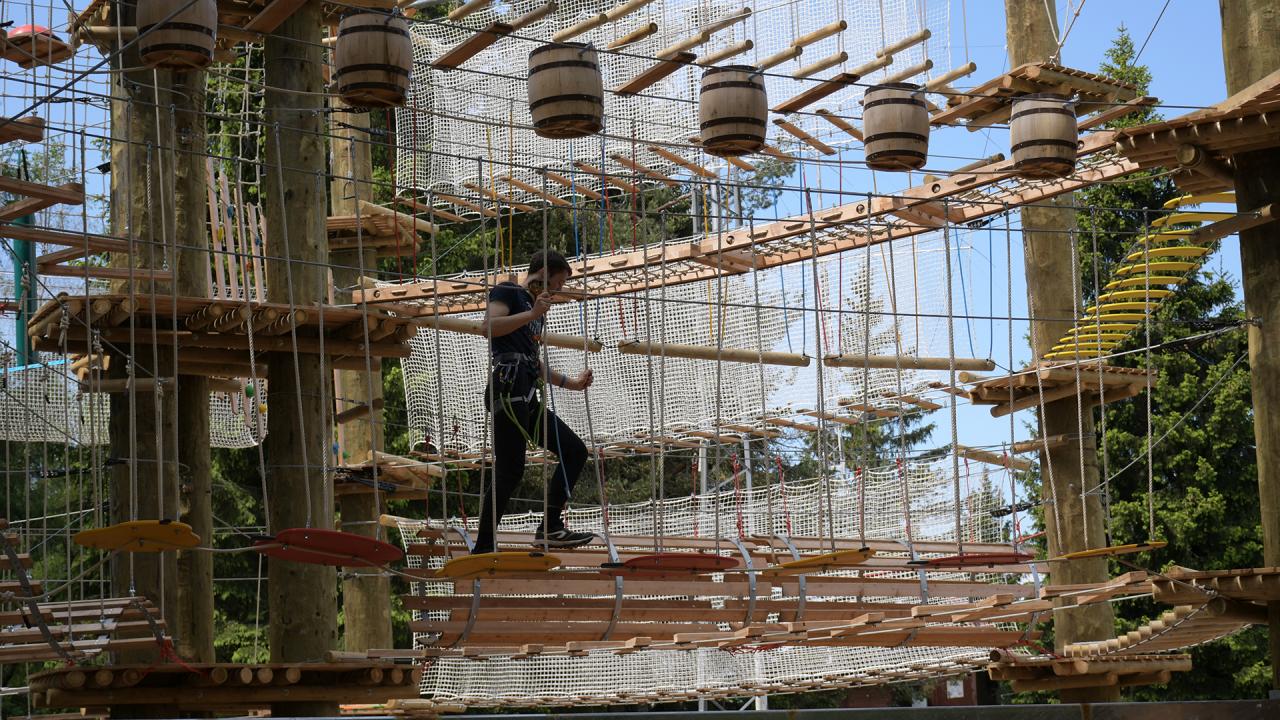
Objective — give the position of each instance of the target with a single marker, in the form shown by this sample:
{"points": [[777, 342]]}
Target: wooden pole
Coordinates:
{"points": [[1251, 51], [302, 598], [366, 592], [195, 500], [144, 484], [1047, 242]]}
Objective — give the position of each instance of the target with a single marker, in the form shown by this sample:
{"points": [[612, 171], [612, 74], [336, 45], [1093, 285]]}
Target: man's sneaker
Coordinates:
{"points": [[561, 538]]}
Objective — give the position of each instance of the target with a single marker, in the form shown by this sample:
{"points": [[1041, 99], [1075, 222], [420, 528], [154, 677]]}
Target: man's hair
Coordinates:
{"points": [[553, 261]]}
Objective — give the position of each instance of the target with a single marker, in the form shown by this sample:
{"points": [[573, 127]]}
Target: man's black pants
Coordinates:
{"points": [[515, 422]]}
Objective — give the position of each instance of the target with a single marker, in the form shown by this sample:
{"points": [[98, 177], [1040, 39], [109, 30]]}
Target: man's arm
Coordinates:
{"points": [[559, 379], [498, 321]]}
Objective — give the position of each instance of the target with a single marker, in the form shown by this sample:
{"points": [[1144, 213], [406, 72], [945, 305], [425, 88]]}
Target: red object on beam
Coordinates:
{"points": [[328, 547]]}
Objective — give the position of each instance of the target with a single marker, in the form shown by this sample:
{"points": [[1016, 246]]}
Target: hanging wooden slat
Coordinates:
{"points": [[641, 32], [472, 327], [605, 177], [498, 197], [839, 122], [643, 170], [725, 53], [904, 43], [689, 165], [577, 187], [473, 45], [805, 137], [517, 183], [817, 92], [646, 79]]}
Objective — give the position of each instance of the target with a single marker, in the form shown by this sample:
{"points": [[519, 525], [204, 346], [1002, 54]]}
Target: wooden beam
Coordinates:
{"points": [[805, 137], [702, 352], [473, 327], [67, 194], [27, 129], [522, 185], [606, 178], [689, 165], [907, 362], [627, 162], [422, 207], [819, 91], [646, 79], [473, 45], [577, 187], [271, 16], [839, 122], [640, 32], [498, 197], [1116, 112], [95, 243]]}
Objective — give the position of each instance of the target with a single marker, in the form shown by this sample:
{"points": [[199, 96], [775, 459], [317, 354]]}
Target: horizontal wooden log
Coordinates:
{"points": [[907, 362], [702, 352], [904, 43], [472, 327]]}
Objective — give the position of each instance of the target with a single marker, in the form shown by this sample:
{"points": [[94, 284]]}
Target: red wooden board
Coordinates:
{"points": [[328, 547], [670, 565], [980, 559]]}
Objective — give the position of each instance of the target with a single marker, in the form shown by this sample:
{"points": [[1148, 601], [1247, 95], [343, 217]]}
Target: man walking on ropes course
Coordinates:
{"points": [[513, 322]]}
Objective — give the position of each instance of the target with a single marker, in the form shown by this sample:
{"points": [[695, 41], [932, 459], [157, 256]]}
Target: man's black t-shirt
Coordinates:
{"points": [[524, 340]]}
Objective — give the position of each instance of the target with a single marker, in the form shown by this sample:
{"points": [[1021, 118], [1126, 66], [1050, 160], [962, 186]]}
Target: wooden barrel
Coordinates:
{"points": [[733, 110], [895, 127], [184, 41], [373, 57], [566, 92], [1043, 134]]}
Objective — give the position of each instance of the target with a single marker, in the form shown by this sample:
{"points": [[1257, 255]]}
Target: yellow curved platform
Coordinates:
{"points": [[1173, 251], [1142, 294], [1145, 280], [1113, 550], [1228, 196], [1086, 330], [1120, 307], [1167, 235], [1158, 266], [1191, 216], [139, 536], [497, 563], [818, 563]]}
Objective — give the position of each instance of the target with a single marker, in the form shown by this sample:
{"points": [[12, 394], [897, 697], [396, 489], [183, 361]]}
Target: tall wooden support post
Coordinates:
{"points": [[1250, 52], [1072, 521], [366, 592], [302, 597], [144, 481], [186, 111]]}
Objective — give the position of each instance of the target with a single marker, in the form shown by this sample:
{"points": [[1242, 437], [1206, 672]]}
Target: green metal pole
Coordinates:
{"points": [[24, 284]]}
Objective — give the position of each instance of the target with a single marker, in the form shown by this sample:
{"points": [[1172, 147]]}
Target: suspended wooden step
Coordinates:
{"points": [[27, 129], [989, 103], [496, 564], [473, 45], [1112, 550], [978, 559], [663, 565], [31, 45], [139, 536], [649, 77], [702, 352], [839, 560], [994, 458], [328, 547], [472, 327], [817, 92]]}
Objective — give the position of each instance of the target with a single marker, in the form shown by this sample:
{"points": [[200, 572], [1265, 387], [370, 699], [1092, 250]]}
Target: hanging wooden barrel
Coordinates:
{"points": [[184, 41], [1043, 134], [733, 110], [895, 127], [373, 57], [566, 92]]}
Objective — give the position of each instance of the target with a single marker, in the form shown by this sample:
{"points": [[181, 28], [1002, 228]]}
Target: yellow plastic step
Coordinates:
{"points": [[1103, 328], [1144, 281], [1185, 200], [139, 536], [1166, 253], [497, 563], [1137, 294], [1163, 266]]}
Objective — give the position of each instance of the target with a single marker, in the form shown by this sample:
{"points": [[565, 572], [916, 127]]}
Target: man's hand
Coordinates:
{"points": [[582, 382], [541, 305]]}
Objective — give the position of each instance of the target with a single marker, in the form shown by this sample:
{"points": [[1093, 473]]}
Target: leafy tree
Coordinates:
{"points": [[1202, 463]]}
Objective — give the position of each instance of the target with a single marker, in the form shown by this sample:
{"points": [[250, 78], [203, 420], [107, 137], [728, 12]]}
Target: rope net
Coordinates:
{"points": [[658, 675], [768, 310], [481, 110]]}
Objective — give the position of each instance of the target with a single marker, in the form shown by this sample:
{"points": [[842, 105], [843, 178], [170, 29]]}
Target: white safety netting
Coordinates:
{"points": [[780, 309], [480, 110], [43, 403], [881, 495]]}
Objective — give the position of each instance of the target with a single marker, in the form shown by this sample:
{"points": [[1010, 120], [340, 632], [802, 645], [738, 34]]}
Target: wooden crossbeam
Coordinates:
{"points": [[473, 45], [27, 129], [817, 92], [67, 194], [271, 16], [662, 69]]}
